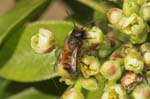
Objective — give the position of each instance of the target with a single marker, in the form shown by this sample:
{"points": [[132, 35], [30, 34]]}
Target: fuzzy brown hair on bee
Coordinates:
{"points": [[72, 45]]}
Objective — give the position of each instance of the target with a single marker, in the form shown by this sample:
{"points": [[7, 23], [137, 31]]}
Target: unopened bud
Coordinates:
{"points": [[134, 61], [141, 91], [114, 15], [145, 49], [130, 80], [95, 37], [43, 42], [145, 11], [73, 94], [90, 84], [111, 70]]}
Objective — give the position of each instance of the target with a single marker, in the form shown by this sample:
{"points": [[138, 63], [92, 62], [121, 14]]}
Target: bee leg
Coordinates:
{"points": [[58, 57]]}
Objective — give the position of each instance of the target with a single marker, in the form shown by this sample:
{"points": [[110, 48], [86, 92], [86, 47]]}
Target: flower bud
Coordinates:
{"points": [[145, 11], [141, 2], [141, 91], [90, 66], [129, 7], [145, 49], [90, 84], [130, 80], [117, 54], [108, 45], [114, 15], [95, 37], [134, 61], [114, 92], [111, 70], [73, 94], [136, 28], [43, 42]]}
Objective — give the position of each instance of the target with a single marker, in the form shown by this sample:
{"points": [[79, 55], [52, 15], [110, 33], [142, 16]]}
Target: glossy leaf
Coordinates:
{"points": [[3, 86], [19, 62], [22, 12], [32, 93], [47, 88], [81, 13], [99, 6]]}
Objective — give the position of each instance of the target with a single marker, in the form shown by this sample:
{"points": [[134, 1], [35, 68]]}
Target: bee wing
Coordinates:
{"points": [[74, 60]]}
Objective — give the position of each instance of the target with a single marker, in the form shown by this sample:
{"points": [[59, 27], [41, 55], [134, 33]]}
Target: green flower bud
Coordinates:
{"points": [[145, 11], [114, 92], [145, 49], [111, 70], [129, 7], [43, 42], [141, 91], [95, 36], [117, 54], [134, 61], [90, 84], [130, 80], [136, 28], [114, 15], [90, 66], [73, 94], [108, 45], [141, 2]]}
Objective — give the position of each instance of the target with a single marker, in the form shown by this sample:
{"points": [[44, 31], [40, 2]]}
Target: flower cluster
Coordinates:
{"points": [[123, 64], [131, 20]]}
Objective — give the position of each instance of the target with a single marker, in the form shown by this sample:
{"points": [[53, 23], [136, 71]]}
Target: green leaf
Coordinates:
{"points": [[22, 12], [3, 86], [81, 16], [98, 93], [100, 6], [51, 87], [32, 93], [19, 62]]}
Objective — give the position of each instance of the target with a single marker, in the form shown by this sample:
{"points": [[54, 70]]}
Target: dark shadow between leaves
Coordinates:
{"points": [[51, 86], [81, 12]]}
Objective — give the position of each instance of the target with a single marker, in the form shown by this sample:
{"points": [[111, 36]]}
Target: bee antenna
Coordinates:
{"points": [[73, 21], [89, 23]]}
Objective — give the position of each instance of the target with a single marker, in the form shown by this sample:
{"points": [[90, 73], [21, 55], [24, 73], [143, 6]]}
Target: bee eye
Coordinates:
{"points": [[78, 34]]}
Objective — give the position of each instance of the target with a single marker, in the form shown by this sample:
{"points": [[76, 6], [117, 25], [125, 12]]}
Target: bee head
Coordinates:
{"points": [[77, 33]]}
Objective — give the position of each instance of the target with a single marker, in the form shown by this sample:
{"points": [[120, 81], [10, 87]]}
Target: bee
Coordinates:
{"points": [[72, 46]]}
